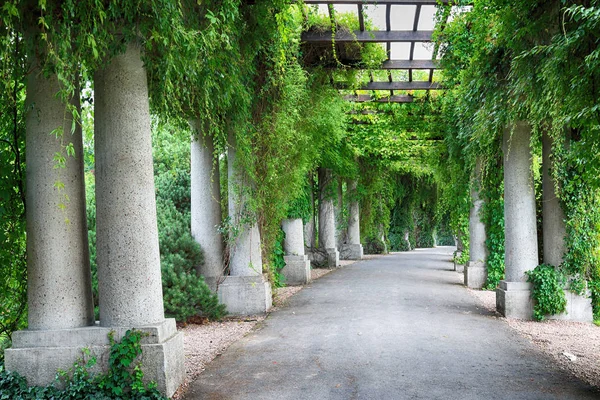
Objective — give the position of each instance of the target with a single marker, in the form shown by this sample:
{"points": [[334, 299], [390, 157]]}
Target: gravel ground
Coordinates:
{"points": [[575, 346], [204, 342]]}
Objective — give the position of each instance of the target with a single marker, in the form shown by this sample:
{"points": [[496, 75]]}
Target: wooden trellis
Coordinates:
{"points": [[412, 35]]}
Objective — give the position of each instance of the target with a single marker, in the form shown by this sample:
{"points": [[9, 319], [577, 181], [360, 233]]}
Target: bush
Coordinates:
{"points": [[374, 245], [547, 293], [185, 293]]}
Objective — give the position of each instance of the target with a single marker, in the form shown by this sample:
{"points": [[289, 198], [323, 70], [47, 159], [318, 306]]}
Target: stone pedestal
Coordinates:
{"points": [[513, 300], [475, 274], [351, 252], [37, 355], [578, 308], [513, 297], [297, 265], [245, 295], [206, 204], [460, 268], [333, 258], [296, 270]]}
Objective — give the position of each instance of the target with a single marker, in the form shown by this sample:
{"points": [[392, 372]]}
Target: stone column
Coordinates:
{"points": [[129, 275], [58, 265], [353, 250], [578, 307], [327, 218], [59, 287], [513, 296], [475, 271], [206, 206], [340, 233], [297, 265], [245, 292], [553, 220], [129, 279]]}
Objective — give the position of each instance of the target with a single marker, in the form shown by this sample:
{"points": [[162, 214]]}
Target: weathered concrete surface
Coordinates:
{"points": [[39, 354], [396, 327], [520, 225], [296, 270], [206, 203], [553, 216], [129, 278], [58, 265], [326, 210], [245, 295], [293, 244], [352, 249]]}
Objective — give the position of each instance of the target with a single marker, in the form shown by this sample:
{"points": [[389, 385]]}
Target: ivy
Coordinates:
{"points": [[547, 293]]}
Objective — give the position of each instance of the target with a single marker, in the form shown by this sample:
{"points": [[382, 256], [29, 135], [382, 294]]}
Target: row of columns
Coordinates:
{"points": [[61, 316], [513, 295]]}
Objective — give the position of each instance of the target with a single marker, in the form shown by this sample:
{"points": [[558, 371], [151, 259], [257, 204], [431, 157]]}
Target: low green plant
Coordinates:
{"points": [[123, 380], [277, 261], [548, 294]]}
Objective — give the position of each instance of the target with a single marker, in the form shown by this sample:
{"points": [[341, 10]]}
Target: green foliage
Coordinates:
{"points": [[547, 292], [13, 269], [277, 261], [123, 380]]}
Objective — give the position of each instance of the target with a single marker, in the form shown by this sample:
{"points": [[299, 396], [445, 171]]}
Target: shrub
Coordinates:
{"points": [[547, 293]]}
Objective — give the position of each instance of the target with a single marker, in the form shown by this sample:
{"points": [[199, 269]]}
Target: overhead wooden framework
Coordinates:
{"points": [[411, 34]]}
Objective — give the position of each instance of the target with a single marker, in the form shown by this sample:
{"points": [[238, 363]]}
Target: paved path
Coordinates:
{"points": [[395, 327]]}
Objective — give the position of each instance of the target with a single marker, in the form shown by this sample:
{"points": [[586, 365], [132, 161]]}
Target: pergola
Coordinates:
{"points": [[409, 33]]}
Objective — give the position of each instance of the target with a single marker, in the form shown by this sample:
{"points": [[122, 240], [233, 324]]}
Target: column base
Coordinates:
{"points": [[333, 258], [475, 274], [296, 270], [578, 308], [513, 300], [351, 252], [460, 268], [245, 295], [38, 355]]}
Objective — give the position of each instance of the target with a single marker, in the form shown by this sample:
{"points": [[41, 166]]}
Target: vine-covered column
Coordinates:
{"points": [[327, 242], [578, 307], [353, 250], [245, 292], [129, 274], [475, 271], [58, 267], [513, 296], [206, 205], [297, 265]]}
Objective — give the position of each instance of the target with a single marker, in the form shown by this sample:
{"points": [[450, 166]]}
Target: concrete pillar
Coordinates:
{"points": [[127, 241], [129, 279], [297, 265], [340, 231], [327, 241], [244, 292], [206, 205], [58, 265], [578, 307], [353, 250], [129, 275], [553, 220], [513, 296], [475, 270]]}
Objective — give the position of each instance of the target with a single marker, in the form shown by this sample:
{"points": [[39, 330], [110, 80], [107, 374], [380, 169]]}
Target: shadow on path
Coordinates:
{"points": [[394, 327]]}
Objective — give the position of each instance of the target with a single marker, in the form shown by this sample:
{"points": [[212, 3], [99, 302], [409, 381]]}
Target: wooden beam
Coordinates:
{"points": [[380, 2], [410, 64], [414, 85], [365, 98], [368, 36]]}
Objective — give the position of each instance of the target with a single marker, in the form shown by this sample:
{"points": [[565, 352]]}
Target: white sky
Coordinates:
{"points": [[402, 19]]}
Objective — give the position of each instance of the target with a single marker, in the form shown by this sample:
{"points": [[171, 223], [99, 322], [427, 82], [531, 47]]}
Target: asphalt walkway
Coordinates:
{"points": [[396, 327]]}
